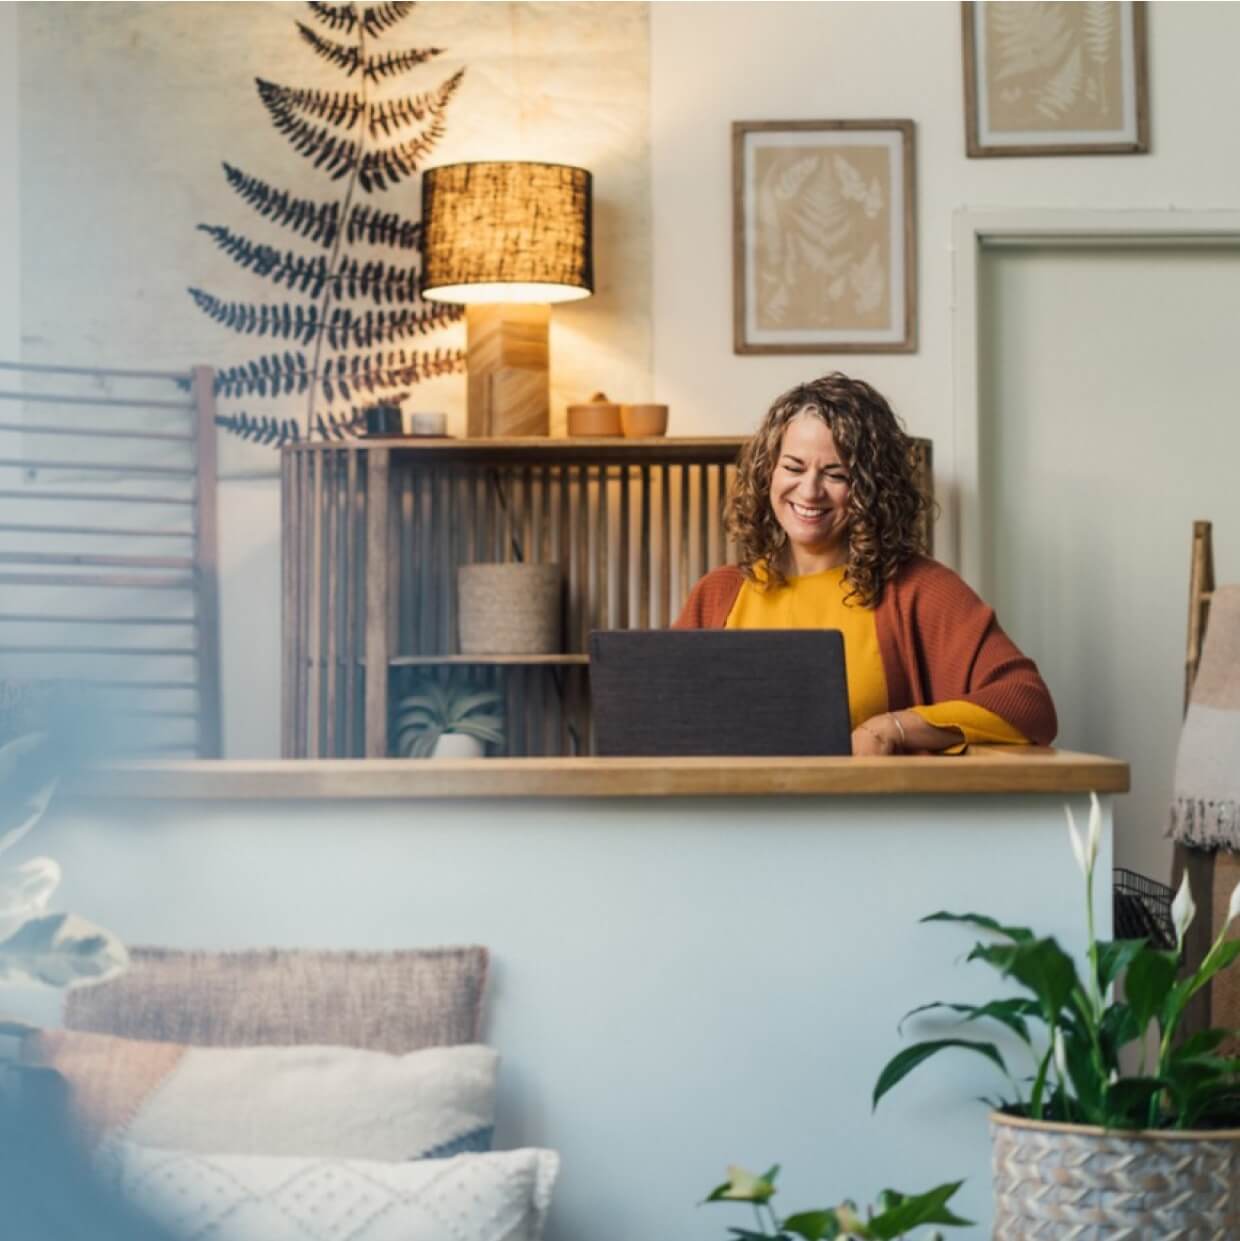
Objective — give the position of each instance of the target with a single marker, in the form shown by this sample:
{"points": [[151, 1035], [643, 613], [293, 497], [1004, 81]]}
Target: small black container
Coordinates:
{"points": [[384, 420]]}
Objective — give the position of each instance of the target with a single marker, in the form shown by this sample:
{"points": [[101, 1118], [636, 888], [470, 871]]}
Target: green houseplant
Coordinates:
{"points": [[896, 1215], [439, 709], [1082, 1139], [58, 950]]}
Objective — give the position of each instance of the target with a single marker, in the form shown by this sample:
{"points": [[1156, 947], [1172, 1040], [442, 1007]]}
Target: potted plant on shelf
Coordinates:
{"points": [[447, 720], [897, 1214], [1083, 1147]]}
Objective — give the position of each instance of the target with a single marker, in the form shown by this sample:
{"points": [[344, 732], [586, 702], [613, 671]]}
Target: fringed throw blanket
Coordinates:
{"points": [[1205, 812]]}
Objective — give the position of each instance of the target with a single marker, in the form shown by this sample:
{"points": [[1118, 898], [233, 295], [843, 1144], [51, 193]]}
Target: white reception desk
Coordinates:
{"points": [[694, 962]]}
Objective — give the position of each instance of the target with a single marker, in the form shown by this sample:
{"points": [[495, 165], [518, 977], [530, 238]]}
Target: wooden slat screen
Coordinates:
{"points": [[108, 554], [374, 533]]}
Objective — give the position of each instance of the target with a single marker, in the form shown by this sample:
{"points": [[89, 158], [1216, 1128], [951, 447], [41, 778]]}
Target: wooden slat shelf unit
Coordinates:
{"points": [[374, 530]]}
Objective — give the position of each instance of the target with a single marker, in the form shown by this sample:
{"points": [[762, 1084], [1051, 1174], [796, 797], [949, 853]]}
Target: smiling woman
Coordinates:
{"points": [[826, 514]]}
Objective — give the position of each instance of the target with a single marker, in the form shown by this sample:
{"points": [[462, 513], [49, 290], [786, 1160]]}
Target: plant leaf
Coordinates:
{"points": [[1016, 933], [1118, 1026], [1200, 1044], [1115, 956], [1220, 956], [1083, 1073], [1040, 965], [24, 892], [812, 1225], [459, 708], [913, 1210], [904, 1062], [1010, 1012], [23, 809], [1148, 983], [61, 950], [1128, 1100], [1039, 1084]]}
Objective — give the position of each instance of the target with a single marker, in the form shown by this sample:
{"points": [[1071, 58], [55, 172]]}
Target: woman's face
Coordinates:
{"points": [[809, 495]]}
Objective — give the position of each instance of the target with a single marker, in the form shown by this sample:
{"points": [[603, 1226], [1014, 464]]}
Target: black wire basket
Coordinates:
{"points": [[1141, 908]]}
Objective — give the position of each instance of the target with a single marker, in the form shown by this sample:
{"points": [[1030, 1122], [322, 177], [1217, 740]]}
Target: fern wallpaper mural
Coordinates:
{"points": [[253, 203]]}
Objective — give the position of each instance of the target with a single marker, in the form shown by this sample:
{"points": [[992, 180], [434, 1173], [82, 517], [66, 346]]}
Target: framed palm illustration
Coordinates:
{"points": [[1055, 78], [824, 254]]}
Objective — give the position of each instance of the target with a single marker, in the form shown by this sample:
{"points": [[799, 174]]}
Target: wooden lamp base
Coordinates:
{"points": [[507, 355]]}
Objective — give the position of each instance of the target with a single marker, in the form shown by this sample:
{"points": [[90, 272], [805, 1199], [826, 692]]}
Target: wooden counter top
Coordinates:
{"points": [[985, 770]]}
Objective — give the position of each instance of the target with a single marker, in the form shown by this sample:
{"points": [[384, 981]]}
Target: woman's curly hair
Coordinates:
{"points": [[886, 508]]}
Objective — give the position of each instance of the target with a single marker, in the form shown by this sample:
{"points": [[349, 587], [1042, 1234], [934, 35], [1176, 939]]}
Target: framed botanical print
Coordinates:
{"points": [[1055, 79], [824, 254]]}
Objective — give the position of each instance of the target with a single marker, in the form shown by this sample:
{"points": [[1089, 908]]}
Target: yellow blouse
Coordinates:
{"points": [[816, 601]]}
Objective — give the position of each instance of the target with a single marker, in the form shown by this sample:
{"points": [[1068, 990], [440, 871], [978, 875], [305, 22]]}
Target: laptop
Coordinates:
{"points": [[671, 692]]}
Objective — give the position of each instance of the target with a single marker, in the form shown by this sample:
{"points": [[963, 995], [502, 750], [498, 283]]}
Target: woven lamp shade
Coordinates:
{"points": [[506, 232]]}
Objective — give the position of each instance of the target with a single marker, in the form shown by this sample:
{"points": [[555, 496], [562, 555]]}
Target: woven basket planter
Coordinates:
{"points": [[509, 609], [1079, 1183]]}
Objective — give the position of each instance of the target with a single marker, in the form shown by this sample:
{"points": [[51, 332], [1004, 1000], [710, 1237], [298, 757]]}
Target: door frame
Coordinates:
{"points": [[976, 229]]}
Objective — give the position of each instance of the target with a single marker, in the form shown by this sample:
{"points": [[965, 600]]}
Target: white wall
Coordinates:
{"points": [[10, 222], [677, 984], [1091, 565], [713, 63]]}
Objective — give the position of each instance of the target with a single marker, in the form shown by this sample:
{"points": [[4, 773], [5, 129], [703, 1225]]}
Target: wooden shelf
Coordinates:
{"points": [[534, 661], [713, 449], [986, 771]]}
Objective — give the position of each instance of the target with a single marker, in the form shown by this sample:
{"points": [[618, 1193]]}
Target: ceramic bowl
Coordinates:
{"points": [[595, 417], [643, 421], [428, 424]]}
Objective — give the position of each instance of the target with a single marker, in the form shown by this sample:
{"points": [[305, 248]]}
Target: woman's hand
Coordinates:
{"points": [[875, 736], [903, 732]]}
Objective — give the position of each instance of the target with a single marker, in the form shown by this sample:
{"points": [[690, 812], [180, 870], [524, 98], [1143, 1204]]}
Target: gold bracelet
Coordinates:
{"points": [[895, 719]]}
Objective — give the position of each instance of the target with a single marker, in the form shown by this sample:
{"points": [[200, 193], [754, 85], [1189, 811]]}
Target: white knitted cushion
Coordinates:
{"points": [[342, 1102], [502, 1196]]}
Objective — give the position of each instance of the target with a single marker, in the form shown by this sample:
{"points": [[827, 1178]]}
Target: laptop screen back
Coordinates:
{"points": [[670, 692]]}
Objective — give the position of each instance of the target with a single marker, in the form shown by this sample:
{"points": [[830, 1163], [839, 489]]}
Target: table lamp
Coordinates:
{"points": [[507, 239]]}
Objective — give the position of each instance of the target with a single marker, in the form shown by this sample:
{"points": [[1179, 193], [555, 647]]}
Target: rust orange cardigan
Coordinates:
{"points": [[938, 642]]}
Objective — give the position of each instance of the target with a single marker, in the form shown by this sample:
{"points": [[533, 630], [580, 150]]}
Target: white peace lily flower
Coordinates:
{"points": [[1233, 907], [847, 1218], [1086, 850], [1095, 828], [1078, 847], [747, 1186], [1183, 910], [1061, 1054]]}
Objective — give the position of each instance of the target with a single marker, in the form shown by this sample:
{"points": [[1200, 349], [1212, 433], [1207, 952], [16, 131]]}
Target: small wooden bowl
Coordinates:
{"points": [[598, 417], [643, 421]]}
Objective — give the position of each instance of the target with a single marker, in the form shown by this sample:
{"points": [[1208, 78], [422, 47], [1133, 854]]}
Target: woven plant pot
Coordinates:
{"points": [[1075, 1181], [509, 609]]}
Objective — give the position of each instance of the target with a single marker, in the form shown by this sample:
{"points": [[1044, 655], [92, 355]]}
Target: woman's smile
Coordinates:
{"points": [[806, 513]]}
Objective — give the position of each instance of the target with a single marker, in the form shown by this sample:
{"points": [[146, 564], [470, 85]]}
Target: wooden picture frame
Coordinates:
{"points": [[1055, 79], [824, 244]]}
